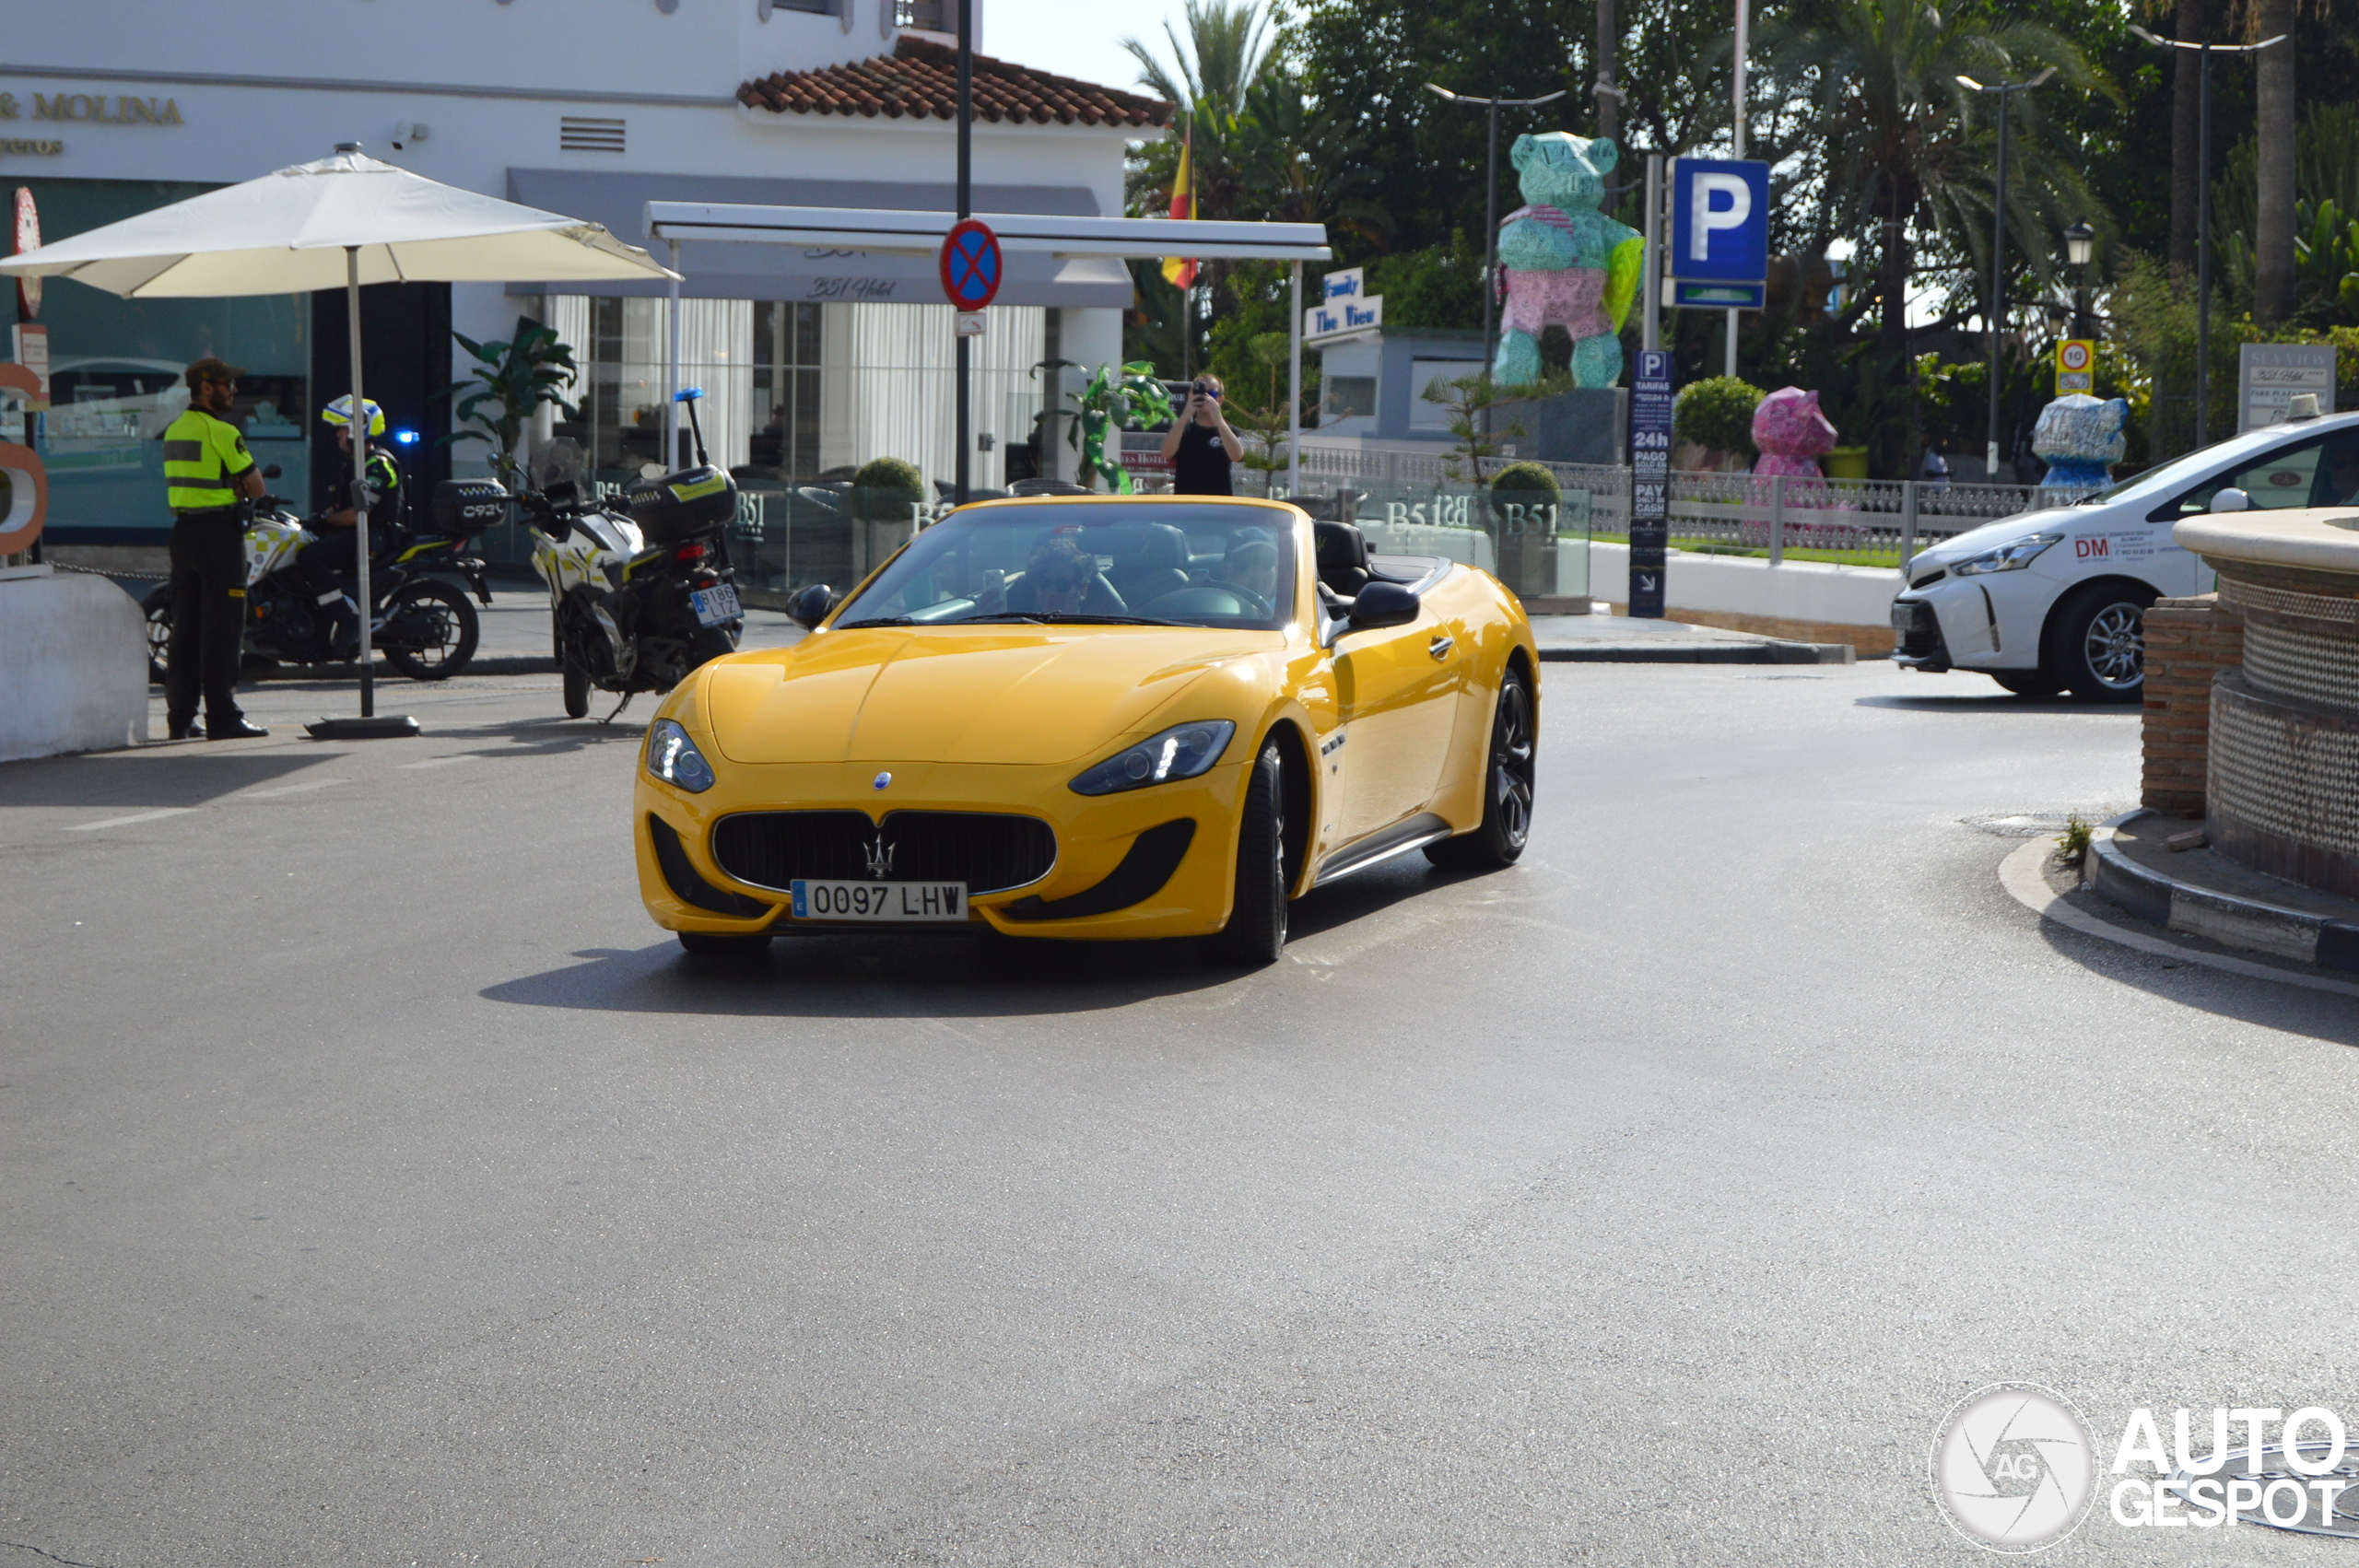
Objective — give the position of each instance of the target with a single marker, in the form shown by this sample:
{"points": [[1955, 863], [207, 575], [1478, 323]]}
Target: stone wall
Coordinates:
{"points": [[2189, 641]]}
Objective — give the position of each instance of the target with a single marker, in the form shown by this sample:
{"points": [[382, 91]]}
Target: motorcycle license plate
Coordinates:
{"points": [[929, 903], [714, 606]]}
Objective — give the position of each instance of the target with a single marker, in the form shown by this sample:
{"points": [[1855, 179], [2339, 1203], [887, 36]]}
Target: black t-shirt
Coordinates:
{"points": [[1201, 466]]}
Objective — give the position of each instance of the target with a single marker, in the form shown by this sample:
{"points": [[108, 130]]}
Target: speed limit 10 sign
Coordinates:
{"points": [[2075, 359]]}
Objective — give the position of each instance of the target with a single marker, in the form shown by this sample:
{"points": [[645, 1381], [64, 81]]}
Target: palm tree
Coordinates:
{"points": [[1903, 155], [2273, 297], [1209, 76]]}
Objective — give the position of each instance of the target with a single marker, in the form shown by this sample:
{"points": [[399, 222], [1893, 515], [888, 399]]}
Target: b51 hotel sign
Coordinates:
{"points": [[33, 110]]}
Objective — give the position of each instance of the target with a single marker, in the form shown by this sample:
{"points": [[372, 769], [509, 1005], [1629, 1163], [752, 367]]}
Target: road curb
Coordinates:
{"points": [[1764, 653], [2251, 924], [2021, 875]]}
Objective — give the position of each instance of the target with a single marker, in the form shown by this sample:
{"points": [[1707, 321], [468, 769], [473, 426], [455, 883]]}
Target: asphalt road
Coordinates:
{"points": [[377, 1187]]}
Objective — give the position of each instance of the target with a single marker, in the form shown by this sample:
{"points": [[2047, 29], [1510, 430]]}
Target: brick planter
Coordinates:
{"points": [[2189, 641]]}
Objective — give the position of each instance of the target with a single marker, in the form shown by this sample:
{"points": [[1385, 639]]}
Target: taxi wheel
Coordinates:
{"points": [[1256, 933], [724, 945], [2098, 643], [1509, 772], [2027, 683]]}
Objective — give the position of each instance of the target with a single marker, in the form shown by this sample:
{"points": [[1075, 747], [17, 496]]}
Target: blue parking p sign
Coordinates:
{"points": [[1719, 220]]}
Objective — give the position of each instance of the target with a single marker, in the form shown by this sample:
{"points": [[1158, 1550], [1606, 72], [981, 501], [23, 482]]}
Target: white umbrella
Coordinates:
{"points": [[346, 219]]}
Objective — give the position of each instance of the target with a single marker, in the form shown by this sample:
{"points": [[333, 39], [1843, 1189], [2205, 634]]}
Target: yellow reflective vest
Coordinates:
{"points": [[202, 454]]}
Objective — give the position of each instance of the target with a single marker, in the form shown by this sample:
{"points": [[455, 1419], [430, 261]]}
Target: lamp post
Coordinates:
{"points": [[1998, 303], [2203, 208], [2079, 244], [1490, 206]]}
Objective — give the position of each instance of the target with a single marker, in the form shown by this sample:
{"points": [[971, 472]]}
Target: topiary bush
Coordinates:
{"points": [[1525, 476], [887, 489], [1717, 413]]}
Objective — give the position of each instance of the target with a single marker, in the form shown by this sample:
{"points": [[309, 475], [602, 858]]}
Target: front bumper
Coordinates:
{"points": [[1107, 848], [1918, 643]]}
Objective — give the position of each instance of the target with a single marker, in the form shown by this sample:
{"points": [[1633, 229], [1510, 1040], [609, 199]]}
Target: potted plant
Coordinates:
{"points": [[1523, 498], [885, 495], [1716, 415]]}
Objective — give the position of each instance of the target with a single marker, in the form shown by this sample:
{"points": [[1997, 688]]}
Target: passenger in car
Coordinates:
{"points": [[1063, 579]]}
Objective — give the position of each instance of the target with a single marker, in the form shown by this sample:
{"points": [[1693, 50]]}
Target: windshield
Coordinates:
{"points": [[1215, 564], [2156, 482]]}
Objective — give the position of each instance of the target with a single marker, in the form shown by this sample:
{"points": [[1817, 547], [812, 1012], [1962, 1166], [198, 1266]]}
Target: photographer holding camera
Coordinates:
{"points": [[1201, 445]]}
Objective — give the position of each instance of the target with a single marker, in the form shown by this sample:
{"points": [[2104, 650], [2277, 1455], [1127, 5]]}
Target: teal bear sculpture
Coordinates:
{"points": [[1562, 262]]}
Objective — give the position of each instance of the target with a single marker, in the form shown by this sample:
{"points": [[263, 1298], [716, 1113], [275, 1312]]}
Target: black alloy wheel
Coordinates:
{"points": [[724, 945], [2098, 643], [450, 625], [1509, 774], [1256, 933]]}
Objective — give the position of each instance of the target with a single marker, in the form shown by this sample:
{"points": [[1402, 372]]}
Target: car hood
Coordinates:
{"points": [[2004, 531], [1021, 694]]}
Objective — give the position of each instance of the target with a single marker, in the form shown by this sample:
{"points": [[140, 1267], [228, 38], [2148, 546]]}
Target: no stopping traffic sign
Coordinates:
{"points": [[970, 265]]}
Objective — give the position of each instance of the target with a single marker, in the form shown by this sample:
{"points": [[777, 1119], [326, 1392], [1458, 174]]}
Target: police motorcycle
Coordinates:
{"points": [[423, 625], [637, 598]]}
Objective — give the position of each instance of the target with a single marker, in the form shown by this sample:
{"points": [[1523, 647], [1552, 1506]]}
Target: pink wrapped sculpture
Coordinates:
{"points": [[1791, 434]]}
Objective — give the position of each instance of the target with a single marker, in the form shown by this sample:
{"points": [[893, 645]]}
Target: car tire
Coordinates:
{"points": [[1508, 773], [724, 945], [2027, 683], [1256, 933], [2097, 641]]}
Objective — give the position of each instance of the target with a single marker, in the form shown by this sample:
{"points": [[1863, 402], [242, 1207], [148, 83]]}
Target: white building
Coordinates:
{"points": [[812, 361]]}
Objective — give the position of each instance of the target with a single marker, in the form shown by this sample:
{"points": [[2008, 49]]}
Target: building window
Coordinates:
{"points": [[786, 388], [582, 134], [926, 15], [816, 7], [1348, 396]]}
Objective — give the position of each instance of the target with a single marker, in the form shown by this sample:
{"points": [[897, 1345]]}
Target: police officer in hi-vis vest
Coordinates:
{"points": [[207, 471], [330, 557]]}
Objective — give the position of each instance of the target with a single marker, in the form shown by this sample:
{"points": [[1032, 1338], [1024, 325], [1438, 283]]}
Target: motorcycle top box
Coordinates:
{"points": [[683, 505], [469, 506]]}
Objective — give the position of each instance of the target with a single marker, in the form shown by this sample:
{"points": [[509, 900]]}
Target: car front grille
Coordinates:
{"points": [[1919, 633], [990, 851]]}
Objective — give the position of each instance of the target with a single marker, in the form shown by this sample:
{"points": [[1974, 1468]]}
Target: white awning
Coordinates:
{"points": [[881, 231]]}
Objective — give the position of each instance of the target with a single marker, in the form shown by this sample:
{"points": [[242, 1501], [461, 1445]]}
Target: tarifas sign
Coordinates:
{"points": [[94, 109]]}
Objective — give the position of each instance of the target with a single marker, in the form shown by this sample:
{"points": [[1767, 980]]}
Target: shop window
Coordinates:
{"points": [[116, 377]]}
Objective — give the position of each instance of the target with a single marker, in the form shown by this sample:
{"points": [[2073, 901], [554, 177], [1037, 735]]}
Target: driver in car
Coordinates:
{"points": [[1062, 578], [2341, 464]]}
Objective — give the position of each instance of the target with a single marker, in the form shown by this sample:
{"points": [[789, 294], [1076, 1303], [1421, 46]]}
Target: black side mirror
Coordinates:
{"points": [[1383, 604], [270, 471], [810, 605]]}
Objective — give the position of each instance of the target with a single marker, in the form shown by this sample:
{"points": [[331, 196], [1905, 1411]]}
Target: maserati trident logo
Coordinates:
{"points": [[879, 855]]}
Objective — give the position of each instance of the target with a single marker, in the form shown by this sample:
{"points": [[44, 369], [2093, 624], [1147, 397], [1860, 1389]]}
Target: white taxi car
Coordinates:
{"points": [[2053, 601]]}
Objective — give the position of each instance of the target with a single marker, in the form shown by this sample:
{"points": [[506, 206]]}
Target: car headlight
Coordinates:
{"points": [[674, 758], [1182, 752], [2011, 558]]}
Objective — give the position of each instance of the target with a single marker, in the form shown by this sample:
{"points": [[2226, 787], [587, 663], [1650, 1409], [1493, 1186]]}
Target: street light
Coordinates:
{"points": [[2203, 209], [1998, 307], [2080, 245], [1490, 206]]}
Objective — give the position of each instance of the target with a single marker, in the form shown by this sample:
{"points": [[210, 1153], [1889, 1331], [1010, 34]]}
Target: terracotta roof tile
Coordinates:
{"points": [[919, 80]]}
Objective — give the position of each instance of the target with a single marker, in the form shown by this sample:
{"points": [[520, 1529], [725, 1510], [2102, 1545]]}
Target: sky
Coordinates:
{"points": [[1077, 37]]}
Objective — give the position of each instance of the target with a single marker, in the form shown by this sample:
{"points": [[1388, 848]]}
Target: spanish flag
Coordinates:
{"points": [[1178, 272]]}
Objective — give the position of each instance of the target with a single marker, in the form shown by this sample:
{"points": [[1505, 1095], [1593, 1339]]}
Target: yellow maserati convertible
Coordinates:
{"points": [[1092, 717]]}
